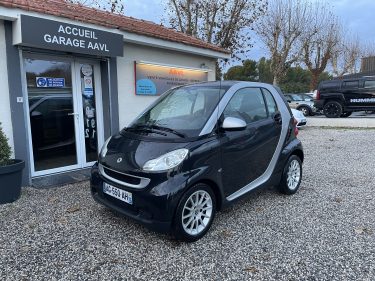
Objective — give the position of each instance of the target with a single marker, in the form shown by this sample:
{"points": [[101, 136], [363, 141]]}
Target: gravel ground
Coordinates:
{"points": [[324, 232]]}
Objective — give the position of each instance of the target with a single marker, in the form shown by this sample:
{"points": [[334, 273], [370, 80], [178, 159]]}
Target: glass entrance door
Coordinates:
{"points": [[63, 114], [89, 91]]}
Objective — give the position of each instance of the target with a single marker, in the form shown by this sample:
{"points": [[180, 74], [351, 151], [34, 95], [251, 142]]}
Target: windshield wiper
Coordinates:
{"points": [[160, 128], [144, 129], [166, 129]]}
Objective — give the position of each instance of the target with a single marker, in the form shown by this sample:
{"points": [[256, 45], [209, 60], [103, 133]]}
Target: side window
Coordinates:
{"points": [[351, 84], [271, 104], [370, 84], [247, 104]]}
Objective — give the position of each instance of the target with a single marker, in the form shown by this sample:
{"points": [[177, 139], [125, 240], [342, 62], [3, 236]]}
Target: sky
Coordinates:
{"points": [[356, 15]]}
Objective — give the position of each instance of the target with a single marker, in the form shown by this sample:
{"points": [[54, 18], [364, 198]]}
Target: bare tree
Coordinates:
{"points": [[280, 30], [346, 56], [226, 23], [320, 41], [113, 6], [367, 49]]}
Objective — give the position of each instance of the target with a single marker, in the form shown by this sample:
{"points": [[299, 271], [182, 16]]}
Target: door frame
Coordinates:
{"points": [[77, 107], [76, 63]]}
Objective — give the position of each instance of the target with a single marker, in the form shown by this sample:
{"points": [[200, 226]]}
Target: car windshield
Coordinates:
{"points": [[182, 112]]}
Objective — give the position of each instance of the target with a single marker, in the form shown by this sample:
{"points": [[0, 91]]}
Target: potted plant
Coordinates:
{"points": [[10, 172]]}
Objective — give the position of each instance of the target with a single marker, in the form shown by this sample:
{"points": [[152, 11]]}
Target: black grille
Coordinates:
{"points": [[121, 177]]}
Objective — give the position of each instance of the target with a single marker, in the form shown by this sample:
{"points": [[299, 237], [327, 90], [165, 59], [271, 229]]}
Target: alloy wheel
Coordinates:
{"points": [[197, 212], [305, 111], [293, 175], [333, 109]]}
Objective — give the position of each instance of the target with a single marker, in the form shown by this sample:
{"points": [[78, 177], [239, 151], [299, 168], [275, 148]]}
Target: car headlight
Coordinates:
{"points": [[166, 161], [104, 150]]}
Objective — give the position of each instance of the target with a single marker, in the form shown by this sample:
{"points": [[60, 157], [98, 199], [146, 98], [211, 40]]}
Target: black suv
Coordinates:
{"points": [[339, 98]]}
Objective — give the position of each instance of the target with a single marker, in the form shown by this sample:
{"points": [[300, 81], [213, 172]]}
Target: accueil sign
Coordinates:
{"points": [[49, 34]]}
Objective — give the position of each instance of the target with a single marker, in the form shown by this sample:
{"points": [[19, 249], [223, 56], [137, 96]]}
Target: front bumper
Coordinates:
{"points": [[159, 226], [153, 206]]}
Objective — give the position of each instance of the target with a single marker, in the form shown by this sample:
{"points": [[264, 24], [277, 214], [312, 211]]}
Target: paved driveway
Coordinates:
{"points": [[324, 232]]}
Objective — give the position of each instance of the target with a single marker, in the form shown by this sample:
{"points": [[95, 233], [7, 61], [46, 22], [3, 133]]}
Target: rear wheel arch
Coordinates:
{"points": [[298, 153], [336, 99]]}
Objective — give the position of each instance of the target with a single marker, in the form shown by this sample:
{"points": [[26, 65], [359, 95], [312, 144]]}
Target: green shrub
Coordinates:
{"points": [[5, 151]]}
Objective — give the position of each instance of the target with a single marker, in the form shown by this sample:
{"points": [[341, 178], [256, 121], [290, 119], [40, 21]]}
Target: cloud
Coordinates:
{"points": [[151, 10]]}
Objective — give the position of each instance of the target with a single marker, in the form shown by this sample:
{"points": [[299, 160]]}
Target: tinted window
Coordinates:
{"points": [[306, 97], [329, 84], [370, 84], [247, 104], [296, 97], [271, 104], [351, 84]]}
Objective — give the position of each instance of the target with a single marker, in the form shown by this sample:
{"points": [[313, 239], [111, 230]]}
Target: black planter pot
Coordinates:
{"points": [[10, 181]]}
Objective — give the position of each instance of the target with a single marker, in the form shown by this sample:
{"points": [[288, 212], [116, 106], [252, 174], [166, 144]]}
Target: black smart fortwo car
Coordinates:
{"points": [[196, 150]]}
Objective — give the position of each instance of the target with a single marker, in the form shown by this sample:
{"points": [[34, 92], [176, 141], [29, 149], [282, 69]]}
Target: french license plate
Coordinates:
{"points": [[118, 193]]}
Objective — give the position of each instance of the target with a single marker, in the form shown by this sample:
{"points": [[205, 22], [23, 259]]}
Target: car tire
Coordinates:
{"points": [[305, 110], [332, 109], [346, 114], [292, 176], [195, 213]]}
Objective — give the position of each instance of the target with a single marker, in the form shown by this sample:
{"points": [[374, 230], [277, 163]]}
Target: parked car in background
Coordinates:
{"points": [[301, 119], [50, 115], [339, 98], [196, 150], [301, 102]]}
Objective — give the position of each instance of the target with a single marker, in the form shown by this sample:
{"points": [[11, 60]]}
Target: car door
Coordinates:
{"points": [[352, 93], [247, 153]]}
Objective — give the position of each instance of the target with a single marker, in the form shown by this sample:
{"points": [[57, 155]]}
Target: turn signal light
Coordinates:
{"points": [[295, 122], [317, 96]]}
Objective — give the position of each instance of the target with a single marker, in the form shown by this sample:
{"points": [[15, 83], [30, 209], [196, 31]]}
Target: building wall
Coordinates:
{"points": [[368, 64], [131, 105], [5, 114]]}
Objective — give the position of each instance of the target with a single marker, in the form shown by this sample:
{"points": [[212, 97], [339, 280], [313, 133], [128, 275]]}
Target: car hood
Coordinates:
{"points": [[128, 153]]}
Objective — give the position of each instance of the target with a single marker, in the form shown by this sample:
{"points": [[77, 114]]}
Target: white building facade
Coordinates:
{"points": [[67, 85]]}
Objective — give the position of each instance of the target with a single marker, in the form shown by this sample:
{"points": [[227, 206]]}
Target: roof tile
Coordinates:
{"points": [[84, 14]]}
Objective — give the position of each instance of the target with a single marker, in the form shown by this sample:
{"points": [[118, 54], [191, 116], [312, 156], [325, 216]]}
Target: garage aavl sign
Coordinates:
{"points": [[54, 35]]}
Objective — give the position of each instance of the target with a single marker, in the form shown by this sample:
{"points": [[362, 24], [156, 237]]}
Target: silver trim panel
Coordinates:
{"points": [[143, 181], [285, 115]]}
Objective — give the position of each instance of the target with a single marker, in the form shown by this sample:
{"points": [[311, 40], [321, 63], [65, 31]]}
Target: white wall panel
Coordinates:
{"points": [[130, 105], [5, 114]]}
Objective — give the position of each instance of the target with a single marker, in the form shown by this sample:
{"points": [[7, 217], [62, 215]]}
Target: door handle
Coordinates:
{"points": [[277, 118], [71, 114]]}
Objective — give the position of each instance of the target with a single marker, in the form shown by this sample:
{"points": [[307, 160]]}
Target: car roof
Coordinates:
{"points": [[225, 83]]}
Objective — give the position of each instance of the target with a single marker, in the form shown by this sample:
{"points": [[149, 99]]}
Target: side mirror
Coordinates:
{"points": [[233, 123], [35, 113]]}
